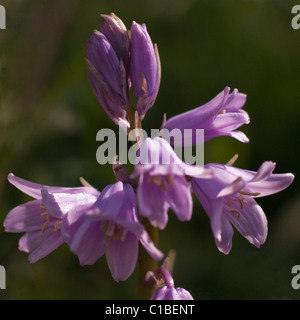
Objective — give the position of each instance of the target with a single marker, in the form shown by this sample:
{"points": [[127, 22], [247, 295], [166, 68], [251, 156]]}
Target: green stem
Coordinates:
{"points": [[146, 263]]}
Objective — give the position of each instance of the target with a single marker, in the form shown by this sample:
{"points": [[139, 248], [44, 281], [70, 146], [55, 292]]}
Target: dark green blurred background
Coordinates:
{"points": [[49, 118]]}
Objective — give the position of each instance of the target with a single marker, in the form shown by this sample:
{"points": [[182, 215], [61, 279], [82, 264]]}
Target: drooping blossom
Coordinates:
{"points": [[162, 182], [110, 227], [167, 290], [219, 117], [41, 219], [145, 69], [107, 58], [229, 199]]}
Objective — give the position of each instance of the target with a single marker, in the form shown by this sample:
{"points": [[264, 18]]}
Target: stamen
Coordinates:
{"points": [[106, 240], [232, 160], [246, 193], [236, 212], [222, 111], [114, 230], [84, 182], [45, 215], [45, 225], [57, 226], [110, 230], [170, 180], [241, 200], [228, 203], [104, 225], [158, 181], [123, 236], [118, 232]]}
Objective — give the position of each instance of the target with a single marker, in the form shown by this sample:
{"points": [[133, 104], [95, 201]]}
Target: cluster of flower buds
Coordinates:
{"points": [[118, 61], [94, 224]]}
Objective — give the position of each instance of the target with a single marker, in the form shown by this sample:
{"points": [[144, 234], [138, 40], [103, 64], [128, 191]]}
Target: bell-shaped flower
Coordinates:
{"points": [[219, 117], [41, 219], [167, 290], [145, 69], [107, 73], [110, 227], [229, 199], [162, 182]]}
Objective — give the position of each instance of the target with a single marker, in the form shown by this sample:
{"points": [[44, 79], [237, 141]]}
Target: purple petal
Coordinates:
{"points": [[264, 172], [224, 242], [180, 199], [229, 121], [144, 68], [160, 293], [238, 135], [276, 183], [216, 217], [116, 33], [151, 202], [59, 204], [25, 217], [122, 256], [263, 182], [219, 117], [219, 181], [183, 294], [30, 188], [225, 124], [72, 221], [232, 188], [148, 244], [109, 203], [165, 293], [40, 244], [201, 117], [221, 227], [251, 222], [34, 189], [236, 100], [88, 243]]}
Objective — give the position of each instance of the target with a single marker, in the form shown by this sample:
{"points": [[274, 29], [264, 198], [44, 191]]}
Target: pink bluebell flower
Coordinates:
{"points": [[110, 227], [167, 290], [162, 182], [145, 69], [41, 219], [219, 117], [229, 199]]}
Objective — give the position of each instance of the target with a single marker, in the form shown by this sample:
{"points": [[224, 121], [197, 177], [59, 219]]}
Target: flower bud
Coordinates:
{"points": [[107, 76], [145, 69], [116, 33]]}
